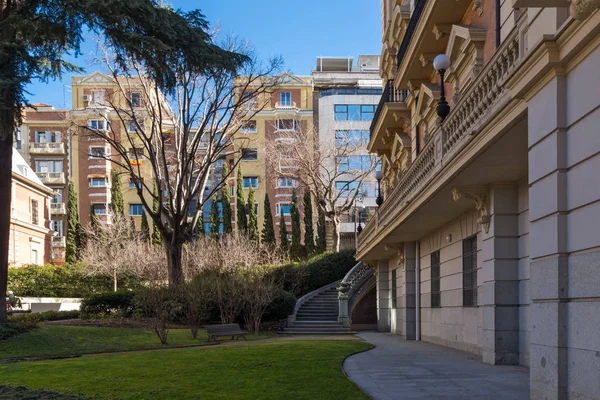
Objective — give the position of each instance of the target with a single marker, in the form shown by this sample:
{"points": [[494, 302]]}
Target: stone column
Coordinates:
{"points": [[407, 296], [548, 241], [383, 296], [499, 281]]}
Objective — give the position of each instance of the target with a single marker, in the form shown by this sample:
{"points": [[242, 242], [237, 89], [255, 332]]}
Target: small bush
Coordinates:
{"points": [[46, 316], [282, 305], [105, 304], [13, 329], [162, 306]]}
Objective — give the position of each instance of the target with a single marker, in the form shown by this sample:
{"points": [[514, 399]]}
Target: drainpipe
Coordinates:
{"points": [[418, 292], [498, 22]]}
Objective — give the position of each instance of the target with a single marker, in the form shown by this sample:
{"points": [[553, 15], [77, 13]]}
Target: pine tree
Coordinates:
{"points": [[145, 228], [283, 238], [252, 219], [240, 204], [226, 202], [156, 236], [199, 228], [116, 193], [73, 229], [268, 232], [214, 219], [309, 234], [321, 232], [295, 213]]}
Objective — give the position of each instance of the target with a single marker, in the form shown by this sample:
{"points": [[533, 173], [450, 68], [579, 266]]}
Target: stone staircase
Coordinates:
{"points": [[318, 315]]}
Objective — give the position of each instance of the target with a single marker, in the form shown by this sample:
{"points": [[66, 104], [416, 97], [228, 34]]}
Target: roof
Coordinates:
{"points": [[24, 171]]}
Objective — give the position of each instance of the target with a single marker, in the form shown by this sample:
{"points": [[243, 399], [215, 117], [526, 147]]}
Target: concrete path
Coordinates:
{"points": [[407, 370]]}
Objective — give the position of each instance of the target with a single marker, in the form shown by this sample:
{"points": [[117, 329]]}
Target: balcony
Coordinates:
{"points": [[291, 106], [47, 148], [390, 107], [58, 208], [52, 178], [59, 242]]}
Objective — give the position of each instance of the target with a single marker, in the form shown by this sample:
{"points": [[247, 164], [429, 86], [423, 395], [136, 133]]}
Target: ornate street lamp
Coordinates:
{"points": [[359, 209], [379, 177], [441, 63]]}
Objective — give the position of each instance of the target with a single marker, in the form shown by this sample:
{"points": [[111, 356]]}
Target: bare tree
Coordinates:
{"points": [[112, 250], [259, 288], [335, 169], [181, 135]]}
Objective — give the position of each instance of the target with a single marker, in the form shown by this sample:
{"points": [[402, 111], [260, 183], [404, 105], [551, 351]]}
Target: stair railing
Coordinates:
{"points": [[305, 298], [350, 288]]}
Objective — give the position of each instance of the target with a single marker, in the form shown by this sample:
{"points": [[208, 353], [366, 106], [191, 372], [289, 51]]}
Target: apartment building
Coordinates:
{"points": [[487, 240], [289, 107], [345, 98], [31, 240], [43, 141]]}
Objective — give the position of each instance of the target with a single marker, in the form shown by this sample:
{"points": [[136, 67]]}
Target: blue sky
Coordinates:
{"points": [[298, 31]]}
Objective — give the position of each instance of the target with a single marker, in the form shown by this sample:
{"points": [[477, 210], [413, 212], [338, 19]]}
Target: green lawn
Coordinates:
{"points": [[277, 370], [51, 340]]}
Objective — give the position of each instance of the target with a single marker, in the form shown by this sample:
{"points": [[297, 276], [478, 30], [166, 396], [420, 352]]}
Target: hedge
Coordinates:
{"points": [[45, 316], [107, 303], [60, 281]]}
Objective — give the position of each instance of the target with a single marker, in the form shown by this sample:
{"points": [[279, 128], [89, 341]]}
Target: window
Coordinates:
{"points": [[133, 127], [435, 280], [99, 208], [136, 210], [98, 182], [49, 166], [249, 154], [470, 272], [136, 153], [345, 187], [286, 183], [99, 152], [136, 99], [286, 208], [285, 99], [353, 163], [136, 182], [58, 227], [97, 124], [287, 124], [48, 137], [249, 127], [58, 198], [394, 291], [18, 138], [250, 181], [34, 256], [352, 138], [255, 209], [232, 191], [98, 97], [248, 100], [34, 212], [353, 112]]}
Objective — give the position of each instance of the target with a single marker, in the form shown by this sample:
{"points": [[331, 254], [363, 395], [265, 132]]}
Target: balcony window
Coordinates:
{"points": [[136, 153], [354, 112], [34, 212], [249, 127], [49, 166], [98, 97], [58, 227], [286, 183], [97, 124], [285, 99], [58, 197], [249, 154], [99, 152], [100, 208], [98, 182], [48, 137], [136, 210], [287, 124], [136, 99], [286, 208], [250, 181]]}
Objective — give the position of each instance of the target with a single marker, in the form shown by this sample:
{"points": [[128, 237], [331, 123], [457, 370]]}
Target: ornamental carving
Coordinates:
{"points": [[479, 196], [478, 7], [581, 9]]}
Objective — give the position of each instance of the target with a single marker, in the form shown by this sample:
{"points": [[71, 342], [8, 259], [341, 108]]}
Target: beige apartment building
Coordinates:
{"points": [[488, 239], [30, 240]]}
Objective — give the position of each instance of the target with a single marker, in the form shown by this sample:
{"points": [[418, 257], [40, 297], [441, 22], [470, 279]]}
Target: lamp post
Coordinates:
{"points": [[441, 63], [379, 177], [358, 208]]}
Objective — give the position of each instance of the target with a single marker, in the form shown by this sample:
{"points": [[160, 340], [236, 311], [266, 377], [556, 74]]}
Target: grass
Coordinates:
{"points": [[51, 340], [277, 370]]}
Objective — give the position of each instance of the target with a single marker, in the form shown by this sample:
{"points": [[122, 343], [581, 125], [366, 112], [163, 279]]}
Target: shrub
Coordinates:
{"points": [[280, 307], [161, 305], [46, 316], [107, 303], [61, 281], [13, 329], [23, 393]]}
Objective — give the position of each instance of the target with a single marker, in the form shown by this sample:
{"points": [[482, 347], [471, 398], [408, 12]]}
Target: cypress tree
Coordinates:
{"points": [[283, 239], [226, 202], [309, 234], [252, 219], [295, 213], [73, 228], [242, 222], [321, 232], [214, 219], [199, 228], [145, 228], [268, 232], [116, 193], [156, 237]]}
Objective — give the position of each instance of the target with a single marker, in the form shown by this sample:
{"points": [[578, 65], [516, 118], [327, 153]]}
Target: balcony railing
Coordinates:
{"points": [[47, 148], [410, 29], [291, 106], [53, 178], [59, 241], [477, 105], [58, 208], [390, 95]]}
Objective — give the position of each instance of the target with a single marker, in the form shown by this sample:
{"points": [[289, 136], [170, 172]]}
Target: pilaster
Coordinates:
{"points": [[383, 296]]}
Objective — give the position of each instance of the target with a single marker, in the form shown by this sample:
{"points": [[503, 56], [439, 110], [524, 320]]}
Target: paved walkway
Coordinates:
{"points": [[407, 370]]}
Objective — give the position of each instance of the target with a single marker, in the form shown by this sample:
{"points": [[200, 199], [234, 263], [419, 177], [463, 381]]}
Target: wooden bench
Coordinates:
{"points": [[233, 330]]}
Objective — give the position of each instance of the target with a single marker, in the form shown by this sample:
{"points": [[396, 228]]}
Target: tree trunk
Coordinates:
{"points": [[335, 224], [115, 279], [175, 261]]}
